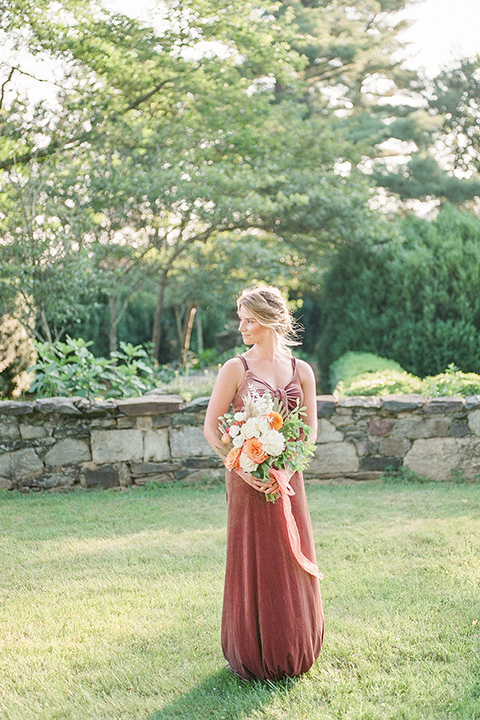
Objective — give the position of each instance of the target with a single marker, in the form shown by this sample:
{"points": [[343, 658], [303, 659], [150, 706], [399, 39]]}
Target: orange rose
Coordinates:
{"points": [[254, 451], [275, 420], [231, 462], [226, 438]]}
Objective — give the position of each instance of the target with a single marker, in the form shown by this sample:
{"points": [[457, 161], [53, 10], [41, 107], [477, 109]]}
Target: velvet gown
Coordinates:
{"points": [[272, 621]]}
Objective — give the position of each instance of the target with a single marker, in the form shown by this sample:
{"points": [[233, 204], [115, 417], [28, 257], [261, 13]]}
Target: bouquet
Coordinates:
{"points": [[264, 437]]}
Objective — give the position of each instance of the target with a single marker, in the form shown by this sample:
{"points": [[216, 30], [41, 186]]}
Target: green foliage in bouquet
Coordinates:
{"points": [[300, 448]]}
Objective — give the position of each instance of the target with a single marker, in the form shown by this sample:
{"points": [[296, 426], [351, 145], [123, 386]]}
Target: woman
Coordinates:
{"points": [[272, 622]]}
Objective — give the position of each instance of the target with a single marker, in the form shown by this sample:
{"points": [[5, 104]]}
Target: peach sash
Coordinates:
{"points": [[283, 478]]}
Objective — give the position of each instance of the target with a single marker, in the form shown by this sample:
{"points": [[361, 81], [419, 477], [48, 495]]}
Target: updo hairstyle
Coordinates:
{"points": [[269, 308]]}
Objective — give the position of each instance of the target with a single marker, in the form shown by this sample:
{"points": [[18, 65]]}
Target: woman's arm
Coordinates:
{"points": [[228, 381]]}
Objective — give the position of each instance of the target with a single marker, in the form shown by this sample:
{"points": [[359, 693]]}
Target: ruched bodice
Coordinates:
{"points": [[288, 395], [272, 623]]}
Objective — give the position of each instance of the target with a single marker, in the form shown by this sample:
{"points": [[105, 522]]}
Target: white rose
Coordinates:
{"points": [[263, 425], [239, 416], [250, 429], [273, 442], [246, 464], [234, 430], [238, 441]]}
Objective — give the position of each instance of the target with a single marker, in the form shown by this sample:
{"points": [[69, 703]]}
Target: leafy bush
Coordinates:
{"points": [[387, 377], [70, 368], [351, 365], [385, 382], [414, 298], [451, 382]]}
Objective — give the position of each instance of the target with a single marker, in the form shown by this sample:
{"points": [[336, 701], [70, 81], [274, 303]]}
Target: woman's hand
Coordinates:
{"points": [[260, 485]]}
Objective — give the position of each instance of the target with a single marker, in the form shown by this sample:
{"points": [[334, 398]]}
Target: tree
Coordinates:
{"points": [[348, 50], [445, 158], [44, 261], [126, 93], [230, 119], [415, 299]]}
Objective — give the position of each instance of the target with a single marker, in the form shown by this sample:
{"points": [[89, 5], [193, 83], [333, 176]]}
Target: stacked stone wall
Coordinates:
{"points": [[65, 442], [360, 437]]}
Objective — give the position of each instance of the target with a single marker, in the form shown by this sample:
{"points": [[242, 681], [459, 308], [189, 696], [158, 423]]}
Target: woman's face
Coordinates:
{"points": [[251, 330]]}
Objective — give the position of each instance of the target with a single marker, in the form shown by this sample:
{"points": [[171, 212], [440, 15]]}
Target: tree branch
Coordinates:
{"points": [[2, 94], [37, 79], [55, 145]]}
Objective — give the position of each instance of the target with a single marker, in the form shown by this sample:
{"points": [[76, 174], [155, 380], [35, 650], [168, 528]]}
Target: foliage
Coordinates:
{"points": [[444, 161], [455, 98], [124, 588], [357, 373], [168, 150], [165, 137], [134, 153], [451, 382], [351, 365], [45, 267], [381, 383], [415, 300], [70, 368], [16, 355]]}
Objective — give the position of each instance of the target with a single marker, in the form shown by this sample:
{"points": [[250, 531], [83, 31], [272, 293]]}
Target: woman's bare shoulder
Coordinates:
{"points": [[233, 369], [234, 363], [304, 369]]}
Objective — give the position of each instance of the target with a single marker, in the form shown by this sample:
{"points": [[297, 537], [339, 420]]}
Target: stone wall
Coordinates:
{"points": [[359, 437], [64, 442]]}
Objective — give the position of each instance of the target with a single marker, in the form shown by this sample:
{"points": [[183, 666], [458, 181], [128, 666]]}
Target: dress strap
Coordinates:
{"points": [[245, 365], [294, 363]]}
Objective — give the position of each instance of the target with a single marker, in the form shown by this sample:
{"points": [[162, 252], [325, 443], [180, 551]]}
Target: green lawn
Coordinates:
{"points": [[110, 607]]}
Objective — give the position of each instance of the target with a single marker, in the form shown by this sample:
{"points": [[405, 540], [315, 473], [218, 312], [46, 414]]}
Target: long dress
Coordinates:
{"points": [[272, 621]]}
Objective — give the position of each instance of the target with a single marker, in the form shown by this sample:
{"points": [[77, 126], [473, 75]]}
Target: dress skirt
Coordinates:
{"points": [[272, 621]]}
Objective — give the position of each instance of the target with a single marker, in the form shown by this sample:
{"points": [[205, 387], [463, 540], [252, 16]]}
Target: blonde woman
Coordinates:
{"points": [[272, 621]]}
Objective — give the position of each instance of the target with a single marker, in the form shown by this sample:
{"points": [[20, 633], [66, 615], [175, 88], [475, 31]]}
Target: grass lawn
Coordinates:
{"points": [[110, 606]]}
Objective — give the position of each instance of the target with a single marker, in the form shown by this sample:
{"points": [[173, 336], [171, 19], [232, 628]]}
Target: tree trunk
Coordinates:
{"points": [[187, 332], [199, 327], [112, 330], [157, 317]]}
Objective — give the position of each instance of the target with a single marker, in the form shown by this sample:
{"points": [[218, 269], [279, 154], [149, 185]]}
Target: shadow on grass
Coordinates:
{"points": [[223, 697]]}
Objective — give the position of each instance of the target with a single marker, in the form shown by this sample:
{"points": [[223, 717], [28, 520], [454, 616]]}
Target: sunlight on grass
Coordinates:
{"points": [[110, 607]]}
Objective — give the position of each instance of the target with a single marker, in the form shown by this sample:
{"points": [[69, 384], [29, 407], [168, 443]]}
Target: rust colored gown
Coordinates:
{"points": [[272, 621]]}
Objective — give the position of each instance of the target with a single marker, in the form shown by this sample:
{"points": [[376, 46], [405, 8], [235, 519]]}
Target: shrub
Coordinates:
{"points": [[358, 373], [451, 382], [415, 298], [70, 368], [385, 382], [351, 365]]}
